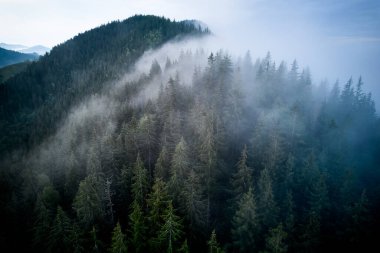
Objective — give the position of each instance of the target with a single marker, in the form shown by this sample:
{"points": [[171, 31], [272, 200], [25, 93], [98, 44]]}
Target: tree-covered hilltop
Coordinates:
{"points": [[33, 102], [201, 153]]}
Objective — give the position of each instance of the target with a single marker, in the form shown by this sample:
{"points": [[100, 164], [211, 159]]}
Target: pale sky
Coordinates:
{"points": [[335, 38]]}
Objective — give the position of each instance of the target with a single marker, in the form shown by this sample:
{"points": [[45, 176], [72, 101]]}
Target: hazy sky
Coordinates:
{"points": [[335, 38]]}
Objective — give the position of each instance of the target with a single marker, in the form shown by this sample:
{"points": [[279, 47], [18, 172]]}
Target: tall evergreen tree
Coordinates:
{"points": [[41, 227], [242, 179], [147, 139], [137, 228], [96, 243], [157, 202], [162, 166], [213, 245], [275, 241], [180, 168], [139, 182], [88, 202], [267, 207], [245, 225], [108, 194], [59, 239], [360, 221], [118, 242], [194, 202], [184, 248], [171, 230]]}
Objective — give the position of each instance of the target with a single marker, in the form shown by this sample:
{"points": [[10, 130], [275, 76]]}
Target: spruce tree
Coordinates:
{"points": [[171, 231], [88, 202], [137, 228], [194, 202], [118, 241], [213, 245], [42, 224], [59, 238], [180, 168], [245, 226], [185, 247], [275, 241], [242, 179], [162, 166], [139, 182], [267, 208], [157, 203]]}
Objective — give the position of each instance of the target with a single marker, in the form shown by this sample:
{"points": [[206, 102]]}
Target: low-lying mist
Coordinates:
{"points": [[97, 119]]}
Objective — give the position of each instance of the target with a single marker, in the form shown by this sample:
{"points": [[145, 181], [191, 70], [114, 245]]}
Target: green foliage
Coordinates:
{"points": [[118, 244], [50, 198], [130, 155], [171, 231], [213, 245], [60, 234], [275, 241], [12, 70], [75, 69], [96, 243], [194, 203], [139, 182], [359, 221], [267, 208], [180, 167], [245, 226], [76, 239], [137, 228], [242, 179], [88, 202], [184, 248], [157, 202], [162, 166], [41, 227]]}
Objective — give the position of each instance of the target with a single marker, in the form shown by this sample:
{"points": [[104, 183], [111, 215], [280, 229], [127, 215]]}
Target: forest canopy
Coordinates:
{"points": [[111, 149]]}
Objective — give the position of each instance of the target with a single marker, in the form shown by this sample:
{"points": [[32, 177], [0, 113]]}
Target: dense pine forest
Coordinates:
{"points": [[118, 142]]}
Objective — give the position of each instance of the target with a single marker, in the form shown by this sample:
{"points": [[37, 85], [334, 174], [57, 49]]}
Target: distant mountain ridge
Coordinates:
{"points": [[37, 49], [14, 47]]}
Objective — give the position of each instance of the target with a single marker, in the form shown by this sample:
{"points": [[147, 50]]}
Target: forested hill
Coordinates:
{"points": [[33, 102], [188, 151], [8, 57]]}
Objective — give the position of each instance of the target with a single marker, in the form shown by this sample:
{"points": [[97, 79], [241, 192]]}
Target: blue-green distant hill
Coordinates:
{"points": [[9, 57]]}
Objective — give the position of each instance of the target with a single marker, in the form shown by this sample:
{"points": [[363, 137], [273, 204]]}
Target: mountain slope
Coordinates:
{"points": [[8, 57], [33, 102], [11, 70]]}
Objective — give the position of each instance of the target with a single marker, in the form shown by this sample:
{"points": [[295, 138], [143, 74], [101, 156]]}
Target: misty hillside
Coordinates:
{"points": [[9, 57], [35, 100], [136, 137]]}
